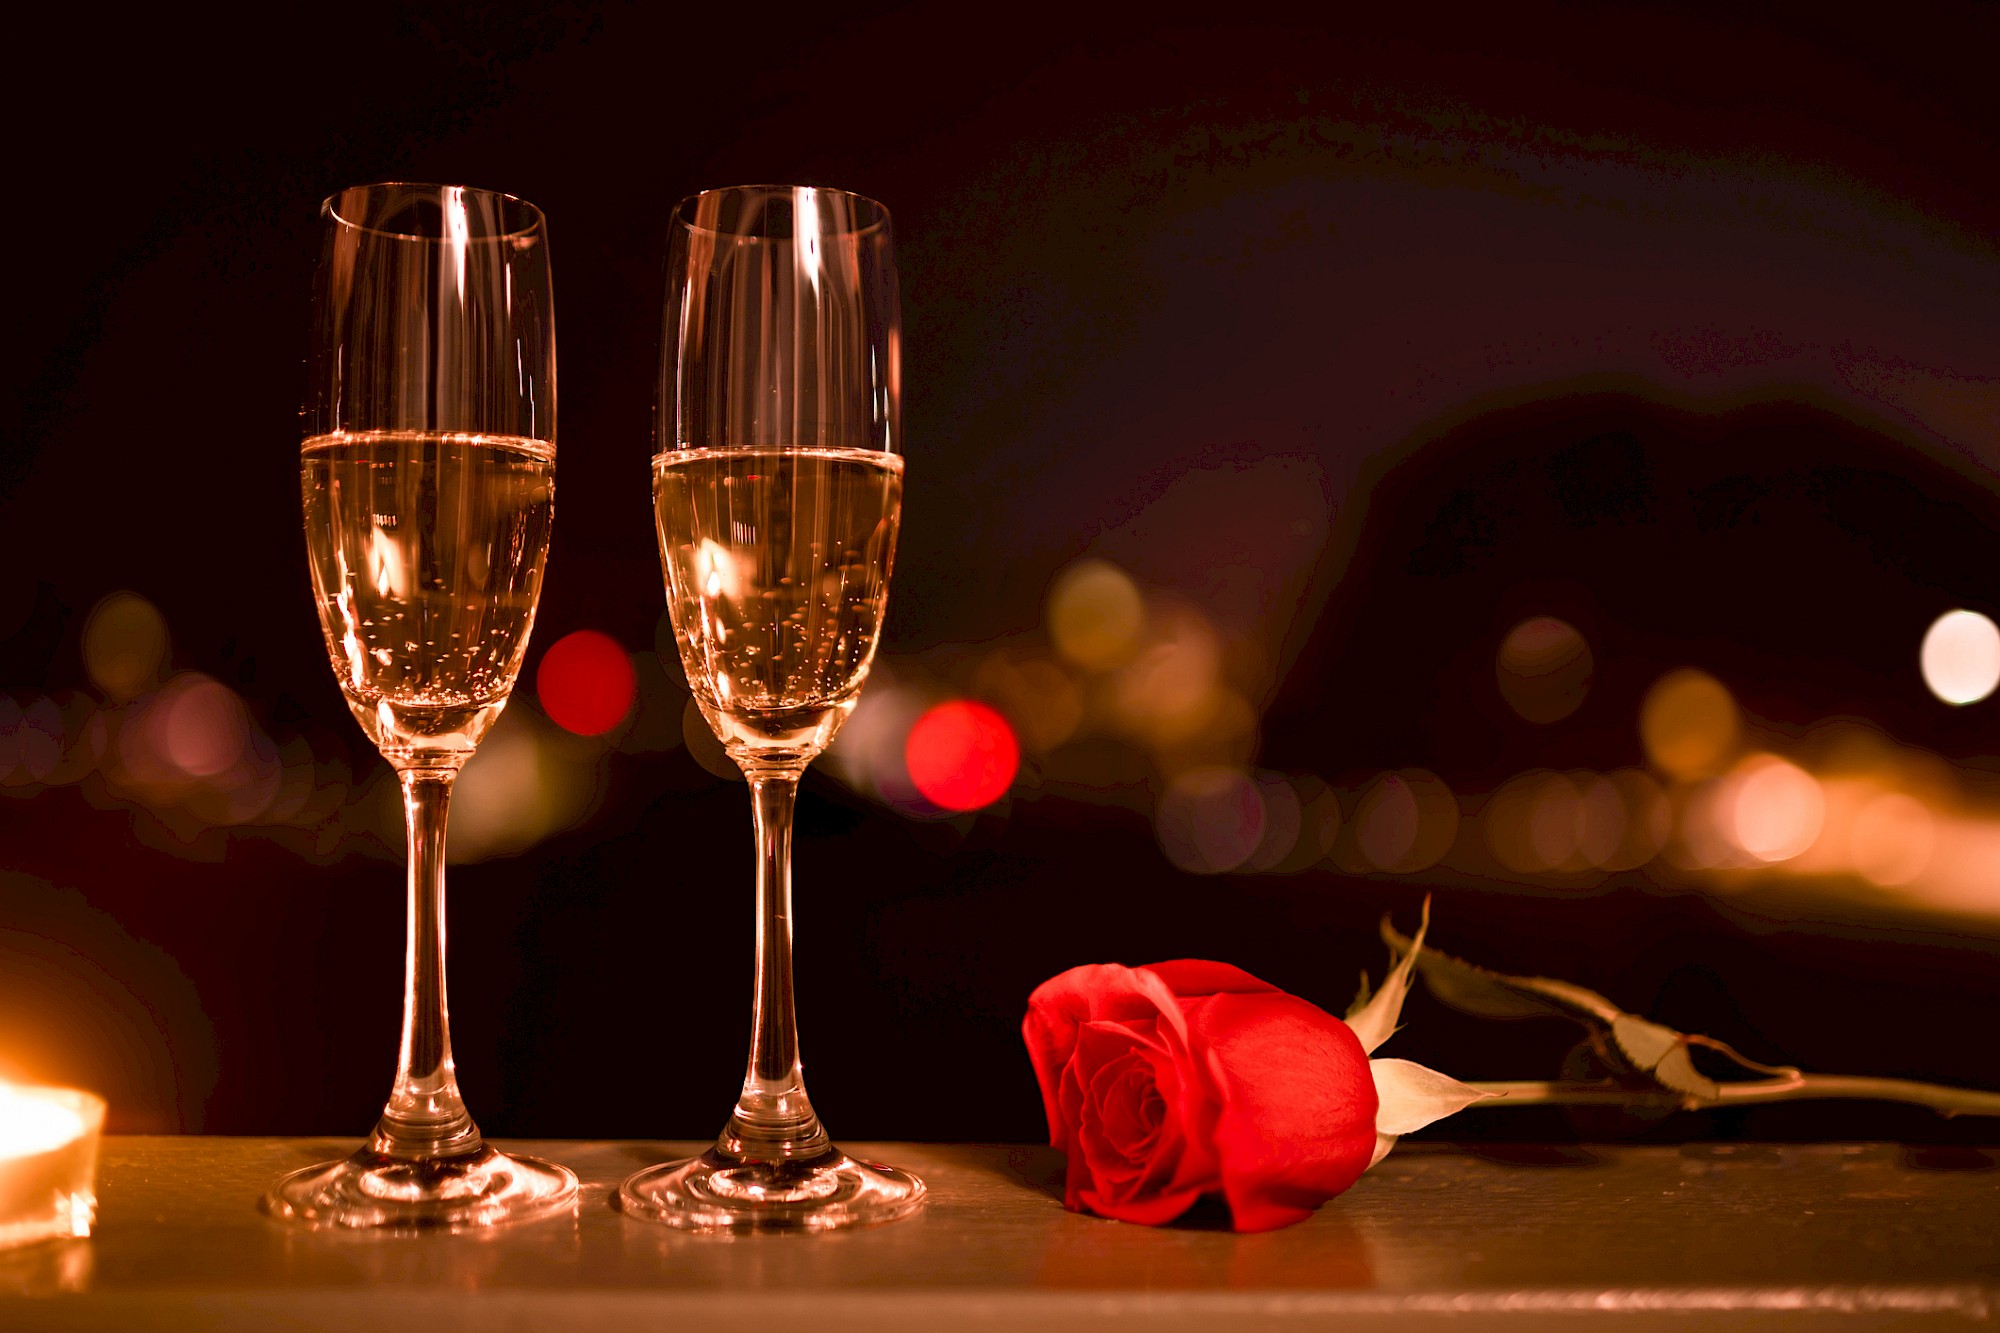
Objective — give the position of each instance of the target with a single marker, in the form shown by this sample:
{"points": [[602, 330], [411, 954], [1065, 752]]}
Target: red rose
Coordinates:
{"points": [[1168, 1082]]}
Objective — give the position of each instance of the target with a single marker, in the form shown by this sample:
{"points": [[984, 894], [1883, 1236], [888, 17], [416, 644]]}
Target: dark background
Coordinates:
{"points": [[1675, 322]]}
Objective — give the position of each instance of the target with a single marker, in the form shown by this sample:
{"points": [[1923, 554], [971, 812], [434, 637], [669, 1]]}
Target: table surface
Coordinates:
{"points": [[1707, 1236]]}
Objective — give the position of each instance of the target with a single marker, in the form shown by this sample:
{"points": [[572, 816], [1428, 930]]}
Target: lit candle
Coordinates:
{"points": [[48, 1163]]}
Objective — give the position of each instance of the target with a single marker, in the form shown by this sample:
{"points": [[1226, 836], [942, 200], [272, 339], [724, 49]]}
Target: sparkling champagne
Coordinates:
{"points": [[427, 553], [777, 565]]}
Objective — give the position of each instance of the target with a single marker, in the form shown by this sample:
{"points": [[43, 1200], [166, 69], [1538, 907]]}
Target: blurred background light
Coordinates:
{"points": [[1406, 821], [1038, 697], [1172, 690], [1095, 614], [526, 782], [1891, 839], [962, 755], [1508, 819], [497, 801], [1775, 809], [124, 644], [868, 753], [1554, 822], [1961, 657], [1689, 724], [1385, 823], [1210, 820], [1544, 668], [1648, 820], [203, 727], [585, 683], [1600, 821], [1701, 826], [1283, 821]]}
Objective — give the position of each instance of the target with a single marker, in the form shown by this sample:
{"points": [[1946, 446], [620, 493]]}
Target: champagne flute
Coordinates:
{"points": [[429, 479], [777, 492]]}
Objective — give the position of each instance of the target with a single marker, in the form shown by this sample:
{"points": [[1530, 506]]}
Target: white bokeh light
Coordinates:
{"points": [[1961, 657]]}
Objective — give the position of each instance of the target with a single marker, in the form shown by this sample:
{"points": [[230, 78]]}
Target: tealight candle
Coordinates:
{"points": [[48, 1163]]}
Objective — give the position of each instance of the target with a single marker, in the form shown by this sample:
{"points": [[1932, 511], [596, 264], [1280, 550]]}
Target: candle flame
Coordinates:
{"points": [[31, 1124]]}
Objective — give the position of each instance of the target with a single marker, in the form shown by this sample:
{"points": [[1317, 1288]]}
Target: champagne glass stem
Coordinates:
{"points": [[426, 1117], [773, 1119]]}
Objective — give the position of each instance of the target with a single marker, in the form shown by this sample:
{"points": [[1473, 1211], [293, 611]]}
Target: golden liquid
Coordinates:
{"points": [[427, 553], [777, 564]]}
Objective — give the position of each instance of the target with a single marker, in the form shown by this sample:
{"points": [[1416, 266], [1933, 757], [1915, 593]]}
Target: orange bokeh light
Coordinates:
{"points": [[1690, 724], [1773, 809], [1892, 838]]}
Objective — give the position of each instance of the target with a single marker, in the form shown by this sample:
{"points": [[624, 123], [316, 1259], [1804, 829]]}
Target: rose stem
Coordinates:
{"points": [[1799, 1087]]}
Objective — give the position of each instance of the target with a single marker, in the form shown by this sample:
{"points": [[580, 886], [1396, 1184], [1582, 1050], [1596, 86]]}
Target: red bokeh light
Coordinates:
{"points": [[585, 683], [962, 755]]}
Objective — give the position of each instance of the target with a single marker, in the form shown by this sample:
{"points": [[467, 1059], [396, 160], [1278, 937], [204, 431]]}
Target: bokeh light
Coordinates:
{"points": [[1210, 820], [1095, 614], [1571, 823], [1283, 824], [1600, 821], [1648, 820], [1891, 839], [1554, 822], [962, 755], [203, 728], [1772, 809], [1172, 690], [1508, 820], [497, 800], [1703, 818], [124, 644], [1406, 821], [1689, 724], [585, 683], [1961, 657], [1038, 697], [1544, 668], [867, 754]]}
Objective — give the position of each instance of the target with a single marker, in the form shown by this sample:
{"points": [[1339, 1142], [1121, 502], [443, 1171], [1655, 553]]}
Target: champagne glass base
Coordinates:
{"points": [[716, 1193], [369, 1191]]}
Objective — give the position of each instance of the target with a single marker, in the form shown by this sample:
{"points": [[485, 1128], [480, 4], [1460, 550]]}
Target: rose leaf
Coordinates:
{"points": [[1661, 1053], [1475, 990]]}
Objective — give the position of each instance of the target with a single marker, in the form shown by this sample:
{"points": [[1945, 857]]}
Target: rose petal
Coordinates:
{"points": [[1189, 978], [1112, 1061], [1130, 1109], [1151, 1210], [1140, 1121], [1103, 992], [1297, 1124], [1103, 1133]]}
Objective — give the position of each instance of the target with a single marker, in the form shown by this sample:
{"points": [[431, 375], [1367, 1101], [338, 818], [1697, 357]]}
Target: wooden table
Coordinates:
{"points": [[1710, 1236]]}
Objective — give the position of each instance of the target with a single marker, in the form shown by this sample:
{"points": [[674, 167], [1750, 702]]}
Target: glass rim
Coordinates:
{"points": [[683, 211], [537, 221]]}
